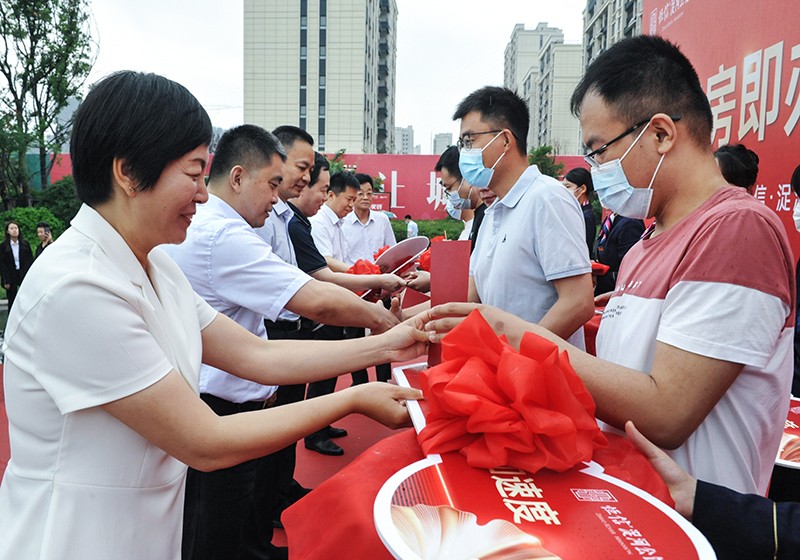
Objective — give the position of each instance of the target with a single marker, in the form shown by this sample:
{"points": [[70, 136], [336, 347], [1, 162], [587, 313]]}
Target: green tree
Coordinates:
{"points": [[27, 218], [46, 53], [337, 161], [543, 158], [60, 199]]}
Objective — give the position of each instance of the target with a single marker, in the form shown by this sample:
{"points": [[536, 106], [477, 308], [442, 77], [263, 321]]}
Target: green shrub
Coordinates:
{"points": [[60, 198], [430, 228], [28, 217]]}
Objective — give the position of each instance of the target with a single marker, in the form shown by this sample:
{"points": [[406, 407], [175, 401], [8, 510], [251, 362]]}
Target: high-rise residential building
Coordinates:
{"points": [[522, 52], [607, 21], [404, 139], [560, 70], [521, 68], [441, 142], [327, 67]]}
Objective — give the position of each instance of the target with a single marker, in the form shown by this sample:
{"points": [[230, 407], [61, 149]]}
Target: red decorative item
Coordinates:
{"points": [[424, 262], [381, 251], [363, 266], [502, 407], [438, 238]]}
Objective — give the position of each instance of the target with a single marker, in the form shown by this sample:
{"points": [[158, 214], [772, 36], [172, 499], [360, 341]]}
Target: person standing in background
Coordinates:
{"points": [[579, 182], [412, 230], [45, 236], [16, 258]]}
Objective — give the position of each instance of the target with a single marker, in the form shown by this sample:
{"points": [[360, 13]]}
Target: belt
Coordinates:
{"points": [[283, 326], [224, 408]]}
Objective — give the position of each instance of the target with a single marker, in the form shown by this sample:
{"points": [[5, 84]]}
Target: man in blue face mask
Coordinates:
{"points": [[695, 345], [463, 202], [530, 258]]}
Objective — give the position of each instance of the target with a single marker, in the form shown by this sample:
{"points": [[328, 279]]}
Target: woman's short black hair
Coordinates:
{"points": [[739, 165], [580, 176], [144, 119]]}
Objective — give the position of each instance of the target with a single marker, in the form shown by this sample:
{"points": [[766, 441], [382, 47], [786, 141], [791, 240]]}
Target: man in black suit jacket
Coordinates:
{"points": [[737, 525]]}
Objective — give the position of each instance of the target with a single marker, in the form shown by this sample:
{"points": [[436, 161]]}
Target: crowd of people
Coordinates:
{"points": [[203, 326]]}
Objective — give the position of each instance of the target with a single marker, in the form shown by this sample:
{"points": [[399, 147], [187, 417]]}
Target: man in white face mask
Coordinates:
{"points": [[695, 345], [530, 258]]}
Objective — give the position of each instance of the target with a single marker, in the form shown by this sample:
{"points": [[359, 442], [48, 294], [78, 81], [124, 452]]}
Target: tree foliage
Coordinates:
{"points": [[543, 158], [46, 53], [28, 218], [60, 199]]}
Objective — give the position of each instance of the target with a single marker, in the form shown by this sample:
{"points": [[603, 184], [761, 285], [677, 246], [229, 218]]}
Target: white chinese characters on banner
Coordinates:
{"points": [[762, 75]]}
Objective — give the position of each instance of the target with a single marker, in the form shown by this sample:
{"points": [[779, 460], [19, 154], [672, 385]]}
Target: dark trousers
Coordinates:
{"points": [[286, 458], [228, 513], [325, 386], [359, 376]]}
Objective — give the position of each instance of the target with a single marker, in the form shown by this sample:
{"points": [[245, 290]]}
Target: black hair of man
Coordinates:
{"points": [[449, 162], [500, 108], [247, 145], [364, 178], [289, 134], [320, 163], [580, 176], [144, 119], [739, 165], [408, 217], [43, 225], [641, 76], [795, 182], [341, 181]]}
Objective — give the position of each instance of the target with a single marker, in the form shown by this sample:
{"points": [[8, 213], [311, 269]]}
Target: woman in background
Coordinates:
{"points": [[16, 258]]}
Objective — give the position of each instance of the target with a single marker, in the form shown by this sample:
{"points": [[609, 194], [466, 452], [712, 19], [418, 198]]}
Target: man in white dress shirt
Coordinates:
{"points": [[235, 271], [366, 232]]}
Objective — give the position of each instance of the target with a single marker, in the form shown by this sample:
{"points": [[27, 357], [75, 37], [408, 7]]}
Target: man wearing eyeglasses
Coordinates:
{"points": [[530, 258], [695, 345]]}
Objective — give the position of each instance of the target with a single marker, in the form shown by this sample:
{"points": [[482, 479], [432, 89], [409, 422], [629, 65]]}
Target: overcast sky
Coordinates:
{"points": [[445, 50]]}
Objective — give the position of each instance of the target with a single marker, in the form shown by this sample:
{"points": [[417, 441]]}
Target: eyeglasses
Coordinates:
{"points": [[466, 139], [594, 153], [449, 187]]}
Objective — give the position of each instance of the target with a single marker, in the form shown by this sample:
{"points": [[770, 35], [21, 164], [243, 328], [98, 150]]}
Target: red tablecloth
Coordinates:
{"points": [[336, 519]]}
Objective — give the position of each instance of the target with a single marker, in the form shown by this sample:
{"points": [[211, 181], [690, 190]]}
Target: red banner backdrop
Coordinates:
{"points": [[748, 58], [410, 182]]}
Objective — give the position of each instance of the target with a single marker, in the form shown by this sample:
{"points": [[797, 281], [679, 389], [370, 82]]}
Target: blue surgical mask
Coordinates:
{"points": [[455, 200], [616, 193], [470, 162]]}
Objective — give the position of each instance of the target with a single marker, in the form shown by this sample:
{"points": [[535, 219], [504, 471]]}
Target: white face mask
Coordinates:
{"points": [[796, 215], [614, 190]]}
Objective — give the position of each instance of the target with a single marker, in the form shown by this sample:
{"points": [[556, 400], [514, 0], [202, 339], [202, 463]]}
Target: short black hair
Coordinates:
{"points": [[795, 182], [320, 163], [289, 134], [501, 107], [364, 178], [42, 225], [580, 176], [144, 119], [641, 76], [408, 217], [449, 161], [247, 145], [739, 165], [342, 180]]}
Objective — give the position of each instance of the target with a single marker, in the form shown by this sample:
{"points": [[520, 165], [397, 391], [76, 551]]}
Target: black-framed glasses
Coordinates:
{"points": [[594, 153], [466, 139], [451, 186]]}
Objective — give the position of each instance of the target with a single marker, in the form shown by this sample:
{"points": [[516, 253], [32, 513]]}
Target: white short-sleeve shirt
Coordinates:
{"points": [[90, 326], [532, 236], [236, 272], [365, 239], [276, 233], [326, 229]]}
